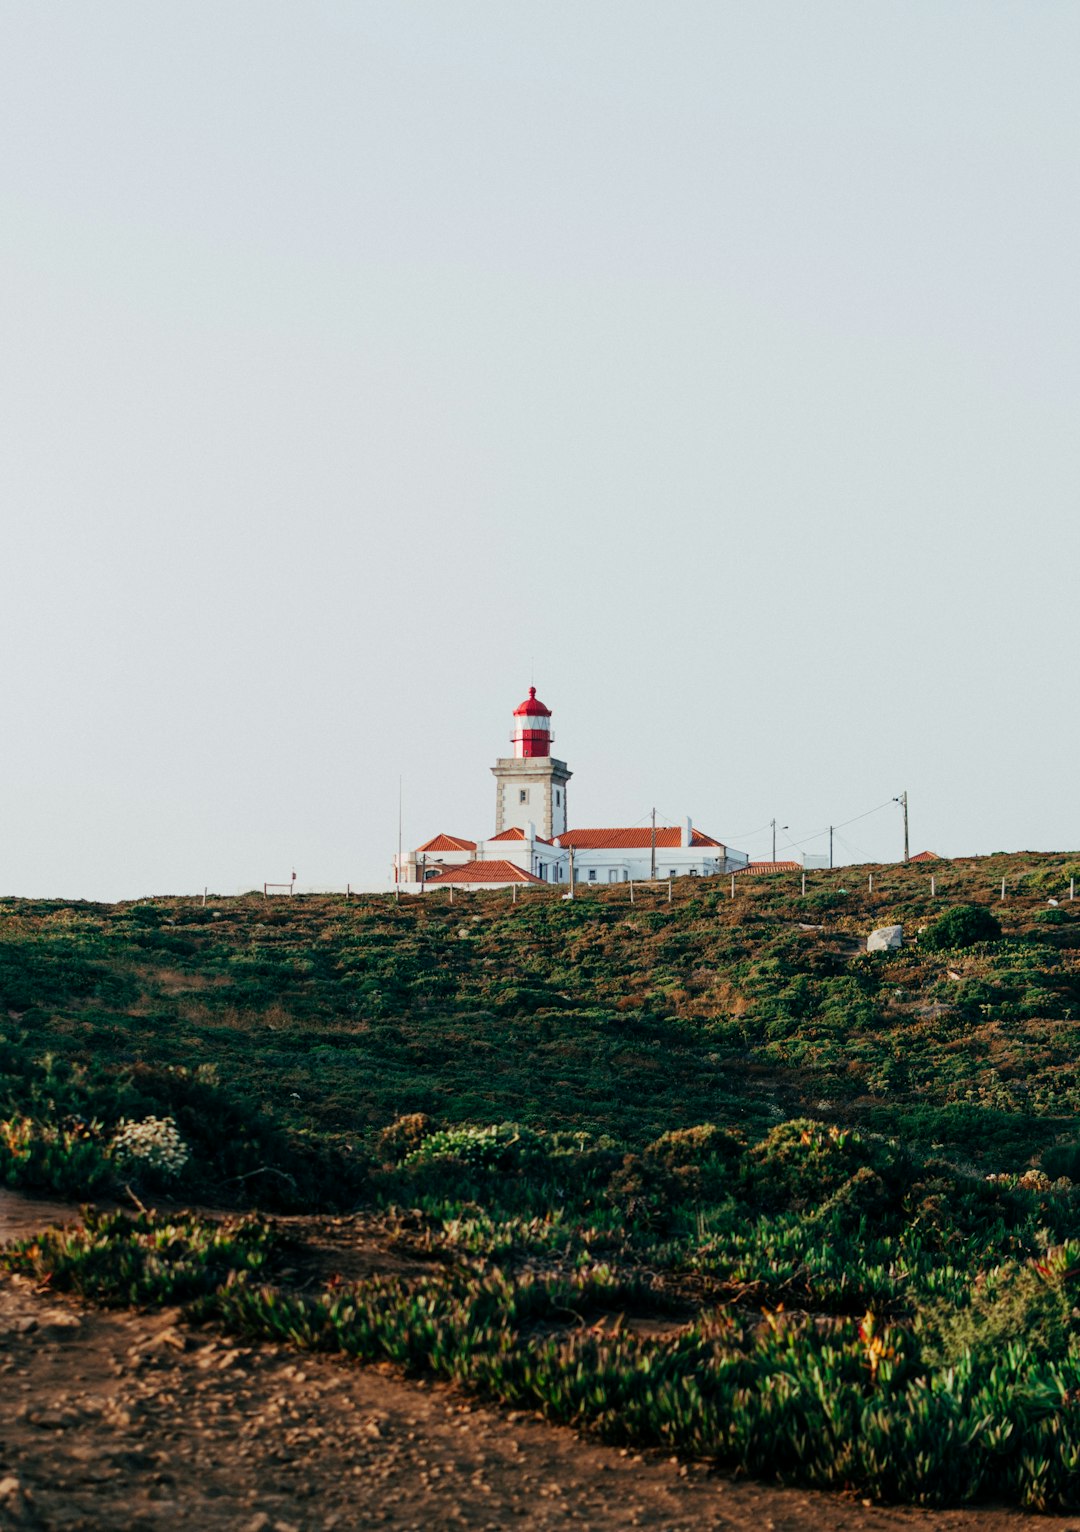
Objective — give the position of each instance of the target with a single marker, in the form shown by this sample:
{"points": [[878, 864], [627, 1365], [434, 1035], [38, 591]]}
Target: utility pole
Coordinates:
{"points": [[902, 801], [773, 823], [652, 850], [830, 848], [397, 875]]}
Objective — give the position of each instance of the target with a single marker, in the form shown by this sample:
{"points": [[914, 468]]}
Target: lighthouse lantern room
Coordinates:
{"points": [[532, 734]]}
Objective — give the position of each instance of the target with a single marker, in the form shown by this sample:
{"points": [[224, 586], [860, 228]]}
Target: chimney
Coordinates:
{"points": [[530, 830], [688, 832]]}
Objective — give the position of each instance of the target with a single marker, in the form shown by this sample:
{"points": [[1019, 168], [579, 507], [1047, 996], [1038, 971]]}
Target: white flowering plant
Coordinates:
{"points": [[154, 1143]]}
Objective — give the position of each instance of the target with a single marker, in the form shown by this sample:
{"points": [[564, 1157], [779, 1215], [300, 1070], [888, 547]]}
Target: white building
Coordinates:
{"points": [[532, 843]]}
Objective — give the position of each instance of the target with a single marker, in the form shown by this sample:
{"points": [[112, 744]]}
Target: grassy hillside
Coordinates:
{"points": [[334, 1017], [704, 1176]]}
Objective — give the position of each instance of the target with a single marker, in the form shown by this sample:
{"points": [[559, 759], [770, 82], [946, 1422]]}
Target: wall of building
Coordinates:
{"points": [[618, 864], [541, 778]]}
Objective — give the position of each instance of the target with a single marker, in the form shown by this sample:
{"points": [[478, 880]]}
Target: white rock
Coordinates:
{"points": [[885, 939]]}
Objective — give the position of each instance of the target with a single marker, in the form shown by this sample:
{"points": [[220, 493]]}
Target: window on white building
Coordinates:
{"points": [[613, 875], [558, 798], [523, 795], [672, 872], [592, 874]]}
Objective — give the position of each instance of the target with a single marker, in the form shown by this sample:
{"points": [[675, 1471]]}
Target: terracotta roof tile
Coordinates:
{"points": [[515, 834], [443, 842], [758, 868], [668, 838], [484, 872]]}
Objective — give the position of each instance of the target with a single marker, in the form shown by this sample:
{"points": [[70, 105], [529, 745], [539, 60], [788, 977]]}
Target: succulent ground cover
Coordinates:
{"points": [[702, 1176], [123, 1420]]}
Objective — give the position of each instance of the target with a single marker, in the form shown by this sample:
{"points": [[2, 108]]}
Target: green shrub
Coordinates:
{"points": [[962, 926], [404, 1136], [692, 1148], [69, 1160], [1062, 1160], [803, 1163], [503, 1147]]}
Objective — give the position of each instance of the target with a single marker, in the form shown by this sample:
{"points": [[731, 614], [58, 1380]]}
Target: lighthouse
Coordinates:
{"points": [[530, 785]]}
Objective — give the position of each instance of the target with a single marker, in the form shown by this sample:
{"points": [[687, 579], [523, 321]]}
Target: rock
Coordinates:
{"points": [[885, 939], [60, 1319], [52, 1420]]}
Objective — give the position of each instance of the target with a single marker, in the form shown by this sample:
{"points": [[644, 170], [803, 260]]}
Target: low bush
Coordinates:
{"points": [[404, 1136], [962, 926], [69, 1159]]}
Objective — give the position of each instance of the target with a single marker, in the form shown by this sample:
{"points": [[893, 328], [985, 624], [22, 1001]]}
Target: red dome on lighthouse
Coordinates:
{"points": [[532, 707], [532, 727]]}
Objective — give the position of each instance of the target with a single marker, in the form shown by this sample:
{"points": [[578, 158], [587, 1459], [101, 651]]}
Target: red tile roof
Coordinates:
{"points": [[484, 872], [515, 834], [763, 867], [925, 856], [443, 842], [668, 838]]}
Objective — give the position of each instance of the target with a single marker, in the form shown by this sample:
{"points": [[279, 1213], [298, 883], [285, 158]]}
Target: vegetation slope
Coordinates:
{"points": [[701, 1174]]}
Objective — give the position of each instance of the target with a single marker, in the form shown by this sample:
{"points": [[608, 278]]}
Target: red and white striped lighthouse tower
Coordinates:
{"points": [[530, 785], [532, 734]]}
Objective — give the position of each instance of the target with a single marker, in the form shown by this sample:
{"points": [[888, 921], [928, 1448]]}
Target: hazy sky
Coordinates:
{"points": [[715, 364]]}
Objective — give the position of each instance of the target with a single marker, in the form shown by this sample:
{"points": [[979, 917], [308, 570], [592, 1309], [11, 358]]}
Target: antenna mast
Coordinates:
{"points": [[397, 874], [652, 849]]}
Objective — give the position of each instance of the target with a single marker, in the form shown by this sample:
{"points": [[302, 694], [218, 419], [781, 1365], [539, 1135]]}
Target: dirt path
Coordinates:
{"points": [[22, 1216], [135, 1423]]}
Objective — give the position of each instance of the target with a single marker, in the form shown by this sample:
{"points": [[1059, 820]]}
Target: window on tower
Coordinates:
{"points": [[558, 798], [523, 795]]}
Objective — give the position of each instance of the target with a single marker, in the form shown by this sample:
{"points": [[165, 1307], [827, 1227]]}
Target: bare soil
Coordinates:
{"points": [[141, 1423]]}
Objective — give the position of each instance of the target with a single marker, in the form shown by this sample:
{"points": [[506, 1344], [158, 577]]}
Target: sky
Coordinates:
{"points": [[714, 366]]}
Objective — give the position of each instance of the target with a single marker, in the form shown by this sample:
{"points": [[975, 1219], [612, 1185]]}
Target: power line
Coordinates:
{"points": [[849, 848], [806, 839], [746, 834]]}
